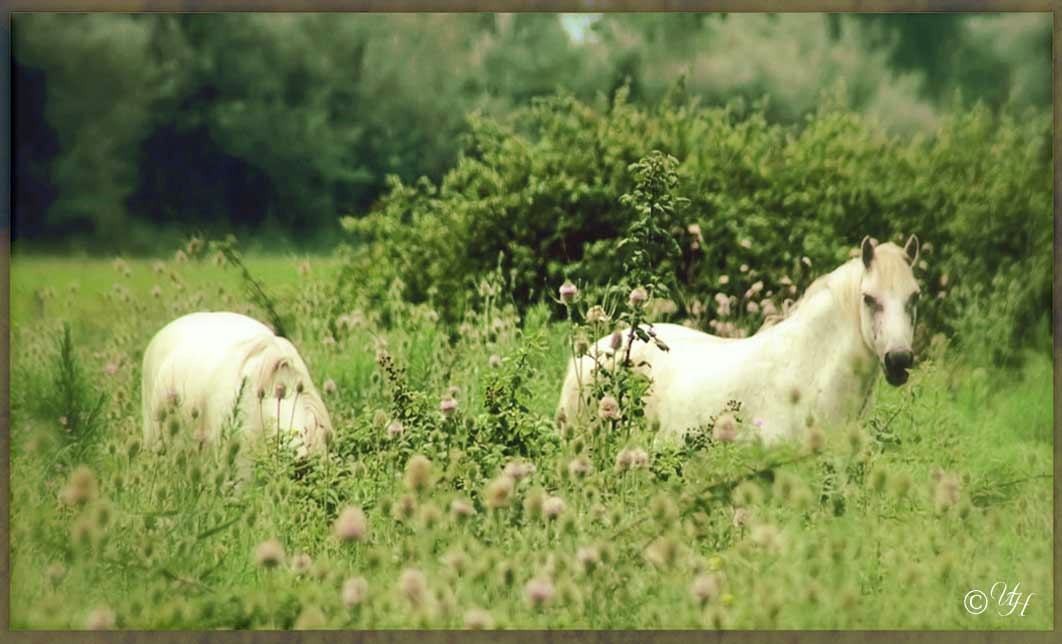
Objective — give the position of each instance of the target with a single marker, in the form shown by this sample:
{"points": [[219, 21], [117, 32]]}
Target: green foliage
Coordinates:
{"points": [[74, 401], [543, 189]]}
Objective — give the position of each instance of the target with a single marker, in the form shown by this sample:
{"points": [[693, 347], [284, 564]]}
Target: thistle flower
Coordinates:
{"points": [[596, 315], [767, 537], [418, 473], [395, 429], [552, 507], [947, 491], [100, 619], [269, 554], [752, 307], [494, 361], [413, 585], [725, 429], [351, 525], [355, 591], [580, 466], [81, 488], [329, 387], [518, 470], [310, 619], [638, 297], [568, 291], [301, 563], [616, 340], [460, 508], [662, 552], [539, 592], [608, 408], [55, 573], [724, 280], [742, 517], [448, 406], [581, 345], [588, 557], [816, 439], [280, 391], [478, 619], [499, 492], [705, 588]]}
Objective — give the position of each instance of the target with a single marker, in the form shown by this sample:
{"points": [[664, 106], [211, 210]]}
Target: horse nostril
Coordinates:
{"points": [[899, 360]]}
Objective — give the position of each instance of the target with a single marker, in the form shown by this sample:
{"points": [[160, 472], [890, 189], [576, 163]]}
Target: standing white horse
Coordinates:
{"points": [[815, 367], [208, 367]]}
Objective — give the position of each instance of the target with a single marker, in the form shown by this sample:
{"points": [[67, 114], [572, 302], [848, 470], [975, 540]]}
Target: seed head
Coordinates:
{"points": [[499, 492], [947, 492], [638, 297], [351, 525], [705, 588], [518, 470], [301, 563], [596, 315], [725, 429], [477, 619], [355, 590], [461, 508], [580, 466], [588, 558], [329, 387], [100, 619], [495, 361], [395, 429], [608, 408], [539, 592], [568, 291], [269, 554], [552, 507], [418, 473], [448, 406], [413, 586], [816, 439], [280, 390], [742, 517], [81, 488], [310, 619], [662, 552], [616, 340]]}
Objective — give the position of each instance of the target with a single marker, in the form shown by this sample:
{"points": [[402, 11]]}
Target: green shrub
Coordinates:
{"points": [[767, 203]]}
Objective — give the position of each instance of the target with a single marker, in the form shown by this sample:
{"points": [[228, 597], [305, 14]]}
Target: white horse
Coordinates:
{"points": [[205, 368], [815, 367]]}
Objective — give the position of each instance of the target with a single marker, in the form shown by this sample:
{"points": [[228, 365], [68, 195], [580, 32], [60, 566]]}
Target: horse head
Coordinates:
{"points": [[888, 305]]}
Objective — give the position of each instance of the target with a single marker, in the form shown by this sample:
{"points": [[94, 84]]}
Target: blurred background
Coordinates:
{"points": [[132, 132]]}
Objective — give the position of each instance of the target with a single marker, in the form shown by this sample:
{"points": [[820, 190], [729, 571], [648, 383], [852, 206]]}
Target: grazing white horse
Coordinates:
{"points": [[208, 367], [815, 367]]}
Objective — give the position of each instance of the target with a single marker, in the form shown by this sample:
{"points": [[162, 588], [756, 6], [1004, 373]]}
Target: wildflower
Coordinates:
{"points": [[430, 515], [418, 473], [280, 391], [744, 268], [310, 619], [461, 508], [662, 552], [301, 563], [329, 387], [158, 267], [816, 439], [767, 537], [745, 243], [413, 585], [638, 297], [448, 406], [724, 280], [694, 229], [269, 554], [494, 361], [355, 590], [405, 508], [499, 492], [580, 466], [581, 345], [753, 308], [456, 560], [180, 257], [725, 429], [81, 488], [395, 429], [518, 470], [55, 573], [351, 525], [303, 268], [100, 619], [807, 260], [947, 490], [568, 291], [478, 619], [596, 314], [588, 558], [608, 408], [616, 340], [539, 591], [742, 517], [552, 507], [705, 588]]}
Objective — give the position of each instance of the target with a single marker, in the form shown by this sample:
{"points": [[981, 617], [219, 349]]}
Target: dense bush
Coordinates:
{"points": [[539, 192]]}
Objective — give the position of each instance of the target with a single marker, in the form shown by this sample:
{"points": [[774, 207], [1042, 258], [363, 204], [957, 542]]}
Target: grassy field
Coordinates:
{"points": [[944, 487]]}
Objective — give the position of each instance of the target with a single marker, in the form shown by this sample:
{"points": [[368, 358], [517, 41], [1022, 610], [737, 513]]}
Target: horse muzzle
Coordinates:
{"points": [[897, 364]]}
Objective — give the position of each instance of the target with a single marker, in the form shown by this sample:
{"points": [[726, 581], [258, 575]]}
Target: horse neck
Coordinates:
{"points": [[825, 342]]}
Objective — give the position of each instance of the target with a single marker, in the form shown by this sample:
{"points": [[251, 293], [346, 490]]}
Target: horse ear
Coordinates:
{"points": [[911, 249], [868, 251]]}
